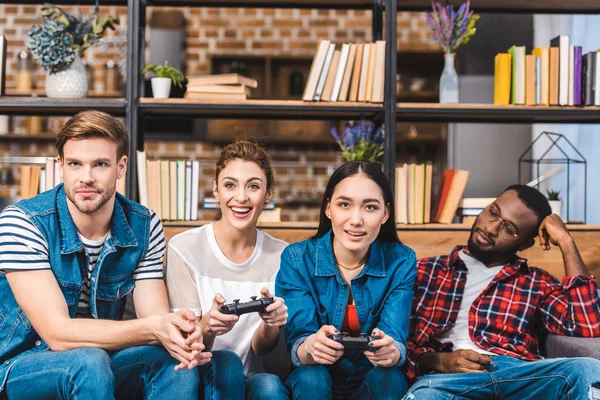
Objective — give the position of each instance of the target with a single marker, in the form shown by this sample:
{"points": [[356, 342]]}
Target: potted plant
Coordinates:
{"points": [[555, 201], [450, 29], [360, 141], [161, 83], [59, 42]]}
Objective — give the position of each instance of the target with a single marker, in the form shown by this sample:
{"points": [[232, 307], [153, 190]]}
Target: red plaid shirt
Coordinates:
{"points": [[506, 318]]}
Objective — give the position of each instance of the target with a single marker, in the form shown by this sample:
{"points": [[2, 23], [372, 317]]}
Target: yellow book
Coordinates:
{"points": [[502, 78]]}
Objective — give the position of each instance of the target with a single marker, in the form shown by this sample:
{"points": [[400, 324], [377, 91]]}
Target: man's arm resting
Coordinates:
{"points": [[452, 362], [40, 297]]}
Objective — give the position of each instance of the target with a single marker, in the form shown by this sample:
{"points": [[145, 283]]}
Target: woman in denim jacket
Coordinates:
{"points": [[353, 276]]}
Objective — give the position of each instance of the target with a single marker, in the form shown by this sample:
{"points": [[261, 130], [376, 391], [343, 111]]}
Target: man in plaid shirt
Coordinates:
{"points": [[478, 312]]}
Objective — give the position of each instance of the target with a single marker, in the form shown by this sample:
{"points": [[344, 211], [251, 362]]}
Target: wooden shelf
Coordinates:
{"points": [[41, 92], [329, 4], [261, 109], [46, 106], [69, 2], [435, 112], [28, 137], [514, 6]]}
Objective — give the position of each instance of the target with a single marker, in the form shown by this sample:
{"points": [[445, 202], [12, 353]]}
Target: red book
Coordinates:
{"points": [[443, 193]]}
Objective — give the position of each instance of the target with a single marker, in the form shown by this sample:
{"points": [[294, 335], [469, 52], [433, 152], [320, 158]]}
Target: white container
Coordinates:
{"points": [[70, 83], [161, 87], [556, 206]]}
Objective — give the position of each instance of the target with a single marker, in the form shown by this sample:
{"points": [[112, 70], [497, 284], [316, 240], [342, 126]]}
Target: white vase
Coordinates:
{"points": [[449, 81], [70, 83], [556, 206], [161, 87]]}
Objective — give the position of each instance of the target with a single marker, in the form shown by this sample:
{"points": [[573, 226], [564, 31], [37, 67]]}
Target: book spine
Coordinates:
{"points": [[577, 75], [324, 73]]}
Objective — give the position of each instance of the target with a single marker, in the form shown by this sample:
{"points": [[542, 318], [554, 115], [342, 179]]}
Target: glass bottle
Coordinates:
{"points": [[25, 72], [449, 81]]}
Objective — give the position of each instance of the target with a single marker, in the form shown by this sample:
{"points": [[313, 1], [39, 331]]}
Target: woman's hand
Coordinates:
{"points": [[322, 349], [277, 313], [217, 322], [387, 354]]}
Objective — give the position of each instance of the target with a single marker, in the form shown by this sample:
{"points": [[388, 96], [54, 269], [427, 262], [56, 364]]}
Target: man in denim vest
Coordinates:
{"points": [[68, 258]]}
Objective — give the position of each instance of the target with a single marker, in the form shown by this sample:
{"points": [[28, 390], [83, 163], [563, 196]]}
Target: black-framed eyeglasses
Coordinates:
{"points": [[507, 230]]}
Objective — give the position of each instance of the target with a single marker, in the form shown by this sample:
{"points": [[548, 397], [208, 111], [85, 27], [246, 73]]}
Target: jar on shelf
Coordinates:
{"points": [[112, 76], [25, 72]]}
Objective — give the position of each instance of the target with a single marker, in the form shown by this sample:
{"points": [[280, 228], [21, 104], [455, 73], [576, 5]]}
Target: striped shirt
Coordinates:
{"points": [[23, 247]]}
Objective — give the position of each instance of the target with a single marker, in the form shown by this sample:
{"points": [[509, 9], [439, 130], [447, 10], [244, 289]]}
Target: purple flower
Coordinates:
{"points": [[335, 134], [379, 136], [451, 28]]}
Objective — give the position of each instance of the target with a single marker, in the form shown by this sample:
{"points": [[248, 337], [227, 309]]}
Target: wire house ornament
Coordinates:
{"points": [[562, 148]]}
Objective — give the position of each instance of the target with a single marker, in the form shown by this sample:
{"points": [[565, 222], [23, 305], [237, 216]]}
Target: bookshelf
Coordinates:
{"points": [[18, 105], [515, 6]]}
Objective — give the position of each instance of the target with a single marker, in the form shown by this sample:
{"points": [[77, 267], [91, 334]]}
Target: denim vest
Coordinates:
{"points": [[111, 280]]}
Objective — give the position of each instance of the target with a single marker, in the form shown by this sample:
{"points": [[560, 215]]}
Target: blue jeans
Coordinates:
{"points": [[511, 378], [222, 378], [315, 382], [265, 387], [91, 373]]}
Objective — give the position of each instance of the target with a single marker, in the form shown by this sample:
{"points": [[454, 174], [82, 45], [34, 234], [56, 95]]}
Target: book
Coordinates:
{"points": [[141, 176], [530, 80], [544, 55], [502, 78], [154, 186], [330, 81], [225, 89], [410, 193], [577, 74], [25, 181], [346, 80], [443, 192], [554, 75], [371, 73], [364, 70], [597, 80], [188, 191], [339, 75], [538, 79], [172, 190], [401, 195], [165, 190], [273, 215], [315, 70], [181, 189], [215, 96], [50, 173], [571, 75], [195, 188], [428, 188], [517, 54], [355, 81], [222, 79], [457, 188], [562, 43], [475, 202], [419, 193], [324, 73], [589, 68], [379, 72]]}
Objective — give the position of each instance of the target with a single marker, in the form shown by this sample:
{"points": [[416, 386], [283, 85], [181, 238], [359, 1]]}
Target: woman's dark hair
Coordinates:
{"points": [[372, 171]]}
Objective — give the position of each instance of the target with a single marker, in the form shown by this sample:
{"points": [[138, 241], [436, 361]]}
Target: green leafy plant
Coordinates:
{"points": [[62, 36], [553, 194], [166, 71]]}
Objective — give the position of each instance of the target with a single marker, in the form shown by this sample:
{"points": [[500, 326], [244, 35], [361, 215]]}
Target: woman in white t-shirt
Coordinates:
{"points": [[231, 259]]}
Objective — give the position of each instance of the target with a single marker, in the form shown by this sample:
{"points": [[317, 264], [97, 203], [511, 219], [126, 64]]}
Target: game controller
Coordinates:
{"points": [[362, 342], [255, 305]]}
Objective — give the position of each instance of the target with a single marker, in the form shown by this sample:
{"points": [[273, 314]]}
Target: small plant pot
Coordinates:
{"points": [[161, 87], [556, 206]]}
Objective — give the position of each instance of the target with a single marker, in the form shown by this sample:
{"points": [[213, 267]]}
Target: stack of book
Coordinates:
{"points": [[169, 187], [413, 193], [355, 72], [558, 74], [227, 87], [469, 208]]}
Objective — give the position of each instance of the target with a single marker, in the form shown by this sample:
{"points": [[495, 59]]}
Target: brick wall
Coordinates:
{"points": [[301, 174]]}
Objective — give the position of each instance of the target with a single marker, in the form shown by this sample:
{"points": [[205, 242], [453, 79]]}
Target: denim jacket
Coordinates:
{"points": [[316, 294], [111, 280]]}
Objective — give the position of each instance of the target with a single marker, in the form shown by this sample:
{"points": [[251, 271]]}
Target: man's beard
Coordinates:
{"points": [[88, 206], [492, 255]]}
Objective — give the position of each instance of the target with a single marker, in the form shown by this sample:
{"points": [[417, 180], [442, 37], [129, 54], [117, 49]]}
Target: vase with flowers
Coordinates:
{"points": [[59, 42], [360, 141], [451, 29]]}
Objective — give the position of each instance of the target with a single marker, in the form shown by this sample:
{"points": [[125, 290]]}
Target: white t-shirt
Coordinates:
{"points": [[478, 278], [197, 269]]}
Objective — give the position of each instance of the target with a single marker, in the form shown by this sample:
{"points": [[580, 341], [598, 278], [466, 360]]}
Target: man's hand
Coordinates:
{"points": [[194, 341], [322, 349], [171, 331], [217, 322], [462, 361], [553, 231], [387, 354], [277, 313]]}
